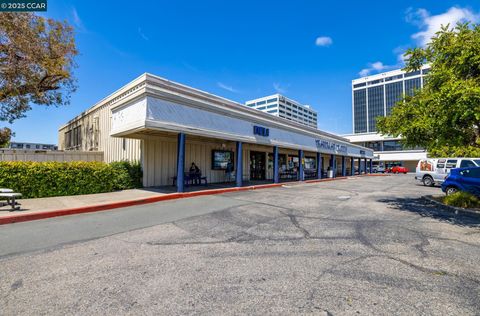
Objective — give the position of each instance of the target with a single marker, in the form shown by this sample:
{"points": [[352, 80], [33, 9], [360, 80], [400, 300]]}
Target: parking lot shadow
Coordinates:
{"points": [[426, 208]]}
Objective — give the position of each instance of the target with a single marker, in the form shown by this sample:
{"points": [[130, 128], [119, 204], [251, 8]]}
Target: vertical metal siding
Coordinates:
{"points": [[160, 159], [112, 147]]}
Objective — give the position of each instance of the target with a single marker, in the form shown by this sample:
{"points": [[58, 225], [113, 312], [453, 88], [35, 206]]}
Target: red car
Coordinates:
{"points": [[399, 169]]}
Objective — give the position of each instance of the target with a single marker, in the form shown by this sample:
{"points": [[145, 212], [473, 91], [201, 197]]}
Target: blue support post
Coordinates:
{"points": [[359, 165], [275, 164], [319, 165], [366, 165], [180, 162], [371, 166], [352, 166], [239, 167], [344, 168], [301, 174]]}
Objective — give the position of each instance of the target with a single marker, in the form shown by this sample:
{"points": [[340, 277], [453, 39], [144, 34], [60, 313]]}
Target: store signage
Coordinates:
{"points": [[325, 144], [362, 152], [261, 131]]}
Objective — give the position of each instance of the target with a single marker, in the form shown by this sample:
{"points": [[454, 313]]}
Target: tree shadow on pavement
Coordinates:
{"points": [[426, 208]]}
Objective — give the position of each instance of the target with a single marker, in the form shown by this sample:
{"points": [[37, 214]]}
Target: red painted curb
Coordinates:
{"points": [[16, 218]]}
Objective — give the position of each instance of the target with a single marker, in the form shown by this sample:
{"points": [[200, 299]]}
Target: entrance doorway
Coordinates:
{"points": [[257, 165]]}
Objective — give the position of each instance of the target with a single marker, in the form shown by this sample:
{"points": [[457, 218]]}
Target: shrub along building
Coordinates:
{"points": [[167, 126]]}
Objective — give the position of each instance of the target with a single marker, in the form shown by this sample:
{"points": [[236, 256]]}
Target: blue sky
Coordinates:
{"points": [[308, 50]]}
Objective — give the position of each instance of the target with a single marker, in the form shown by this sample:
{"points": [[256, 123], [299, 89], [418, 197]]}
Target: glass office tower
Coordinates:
{"points": [[375, 96]]}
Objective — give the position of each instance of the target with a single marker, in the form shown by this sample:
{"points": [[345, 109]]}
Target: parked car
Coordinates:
{"points": [[378, 169], [462, 179], [433, 171], [399, 169]]}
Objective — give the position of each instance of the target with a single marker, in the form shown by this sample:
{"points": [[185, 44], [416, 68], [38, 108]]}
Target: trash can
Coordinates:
{"points": [[329, 173]]}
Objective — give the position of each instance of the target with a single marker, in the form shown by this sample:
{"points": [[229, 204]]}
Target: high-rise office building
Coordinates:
{"points": [[375, 96], [289, 109]]}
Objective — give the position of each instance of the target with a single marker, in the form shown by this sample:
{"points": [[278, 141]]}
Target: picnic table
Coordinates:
{"points": [[11, 198]]}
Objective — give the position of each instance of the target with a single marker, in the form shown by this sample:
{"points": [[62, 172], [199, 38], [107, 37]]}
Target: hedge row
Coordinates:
{"points": [[44, 179]]}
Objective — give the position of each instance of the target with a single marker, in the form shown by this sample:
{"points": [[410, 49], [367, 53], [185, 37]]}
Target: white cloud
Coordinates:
{"points": [[279, 88], [227, 87], [377, 66], [430, 24], [323, 41], [77, 21], [142, 35]]}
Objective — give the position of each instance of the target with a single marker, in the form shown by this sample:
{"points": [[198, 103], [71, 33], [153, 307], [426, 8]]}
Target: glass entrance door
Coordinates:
{"points": [[257, 165]]}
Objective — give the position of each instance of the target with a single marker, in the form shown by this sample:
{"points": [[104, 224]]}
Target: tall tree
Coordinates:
{"points": [[36, 63], [5, 136], [444, 116]]}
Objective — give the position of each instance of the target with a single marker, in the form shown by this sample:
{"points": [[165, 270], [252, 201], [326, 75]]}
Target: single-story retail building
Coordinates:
{"points": [[168, 126]]}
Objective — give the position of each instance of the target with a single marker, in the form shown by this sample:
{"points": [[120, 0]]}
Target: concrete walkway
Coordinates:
{"points": [[74, 201], [28, 206], [40, 208]]}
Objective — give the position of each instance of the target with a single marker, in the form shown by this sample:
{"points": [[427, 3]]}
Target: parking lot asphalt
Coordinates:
{"points": [[368, 245]]}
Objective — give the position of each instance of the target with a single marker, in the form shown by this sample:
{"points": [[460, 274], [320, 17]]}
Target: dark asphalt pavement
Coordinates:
{"points": [[367, 245]]}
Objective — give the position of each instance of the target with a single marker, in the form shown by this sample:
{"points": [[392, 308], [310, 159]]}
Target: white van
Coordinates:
{"points": [[433, 171]]}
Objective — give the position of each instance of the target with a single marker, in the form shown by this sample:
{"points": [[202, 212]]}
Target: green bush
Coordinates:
{"points": [[129, 175], [462, 199], [44, 179]]}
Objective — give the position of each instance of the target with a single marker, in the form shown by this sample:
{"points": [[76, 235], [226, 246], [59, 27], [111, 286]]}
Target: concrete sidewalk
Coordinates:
{"points": [[33, 209], [75, 201]]}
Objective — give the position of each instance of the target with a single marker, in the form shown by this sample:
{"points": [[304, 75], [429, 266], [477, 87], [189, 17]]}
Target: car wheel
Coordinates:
{"points": [[404, 173], [428, 181], [451, 190]]}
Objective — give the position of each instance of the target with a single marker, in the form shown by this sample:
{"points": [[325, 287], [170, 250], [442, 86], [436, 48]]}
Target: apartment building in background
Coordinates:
{"points": [[33, 146], [375, 96], [281, 106]]}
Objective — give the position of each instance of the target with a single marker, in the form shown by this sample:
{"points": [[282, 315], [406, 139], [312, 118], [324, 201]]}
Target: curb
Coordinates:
{"points": [[16, 218], [454, 209]]}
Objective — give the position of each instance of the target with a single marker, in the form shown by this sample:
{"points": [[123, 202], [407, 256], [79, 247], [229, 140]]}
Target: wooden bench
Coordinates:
{"points": [[187, 180], [288, 174]]}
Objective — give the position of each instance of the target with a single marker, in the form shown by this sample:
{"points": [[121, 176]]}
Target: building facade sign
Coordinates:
{"points": [[261, 131], [329, 145]]}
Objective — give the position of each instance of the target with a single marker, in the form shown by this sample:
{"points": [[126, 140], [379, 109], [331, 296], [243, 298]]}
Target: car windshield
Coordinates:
{"points": [[477, 162]]}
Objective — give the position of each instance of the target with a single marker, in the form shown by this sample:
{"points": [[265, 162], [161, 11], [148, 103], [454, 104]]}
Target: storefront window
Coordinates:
{"points": [[292, 163], [282, 162], [309, 163]]}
